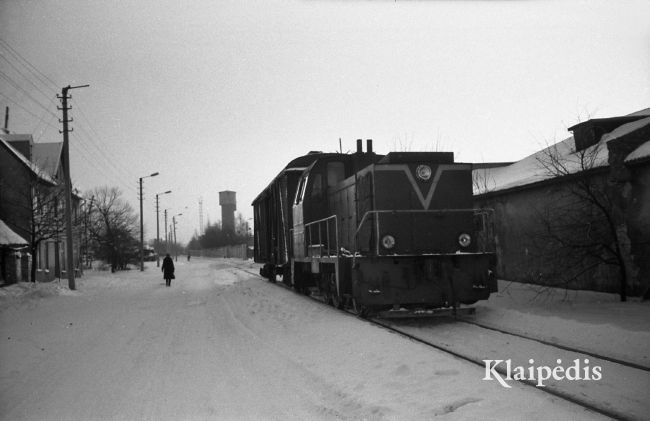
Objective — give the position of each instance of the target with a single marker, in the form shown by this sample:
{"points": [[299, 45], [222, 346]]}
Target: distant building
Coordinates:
{"points": [[528, 194], [228, 204]]}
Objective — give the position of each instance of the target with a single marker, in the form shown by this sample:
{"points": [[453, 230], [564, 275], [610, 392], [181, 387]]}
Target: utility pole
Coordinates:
{"points": [[166, 237], [87, 217], [68, 184], [142, 223], [200, 216], [175, 247], [158, 226]]}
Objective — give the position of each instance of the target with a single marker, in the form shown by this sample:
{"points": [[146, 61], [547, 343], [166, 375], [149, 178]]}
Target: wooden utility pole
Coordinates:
{"points": [[69, 266]]}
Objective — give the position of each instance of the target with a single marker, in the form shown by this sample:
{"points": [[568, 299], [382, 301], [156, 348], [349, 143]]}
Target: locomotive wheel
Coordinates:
{"points": [[359, 310], [336, 301], [334, 298]]}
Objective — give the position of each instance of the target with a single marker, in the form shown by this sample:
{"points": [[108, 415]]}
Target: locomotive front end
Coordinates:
{"points": [[420, 244]]}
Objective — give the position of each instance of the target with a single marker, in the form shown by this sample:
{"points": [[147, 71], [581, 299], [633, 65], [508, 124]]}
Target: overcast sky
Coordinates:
{"points": [[220, 95]]}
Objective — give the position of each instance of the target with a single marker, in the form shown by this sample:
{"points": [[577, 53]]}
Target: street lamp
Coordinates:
{"points": [[166, 235], [158, 228], [175, 246], [142, 224]]}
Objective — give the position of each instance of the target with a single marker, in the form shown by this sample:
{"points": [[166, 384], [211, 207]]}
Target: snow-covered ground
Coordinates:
{"points": [[224, 344], [593, 322], [587, 320]]}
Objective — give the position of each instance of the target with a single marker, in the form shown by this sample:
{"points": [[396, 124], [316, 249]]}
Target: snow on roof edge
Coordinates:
{"points": [[34, 168]]}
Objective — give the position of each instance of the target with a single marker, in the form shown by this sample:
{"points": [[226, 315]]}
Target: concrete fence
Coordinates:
{"points": [[239, 251]]}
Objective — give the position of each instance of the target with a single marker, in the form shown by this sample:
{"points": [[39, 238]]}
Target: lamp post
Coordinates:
{"points": [[174, 225], [166, 235], [158, 228], [142, 224]]}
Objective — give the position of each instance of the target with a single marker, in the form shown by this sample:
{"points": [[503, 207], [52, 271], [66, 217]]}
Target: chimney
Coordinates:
{"points": [[359, 145], [7, 119], [369, 145]]}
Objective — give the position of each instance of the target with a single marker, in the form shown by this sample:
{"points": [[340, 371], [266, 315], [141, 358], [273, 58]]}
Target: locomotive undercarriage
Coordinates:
{"points": [[397, 285]]}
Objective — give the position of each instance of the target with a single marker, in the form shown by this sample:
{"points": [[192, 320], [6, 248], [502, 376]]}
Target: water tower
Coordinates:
{"points": [[228, 204]]}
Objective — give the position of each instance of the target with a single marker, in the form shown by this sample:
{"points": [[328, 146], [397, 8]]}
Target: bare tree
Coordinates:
{"points": [[579, 235], [113, 227]]}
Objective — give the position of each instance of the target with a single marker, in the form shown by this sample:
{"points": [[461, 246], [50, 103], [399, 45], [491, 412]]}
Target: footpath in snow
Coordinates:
{"points": [[224, 344]]}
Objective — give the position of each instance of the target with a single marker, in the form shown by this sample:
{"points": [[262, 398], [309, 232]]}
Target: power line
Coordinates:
{"points": [[95, 155], [30, 66], [20, 88], [98, 162], [28, 111], [99, 145], [25, 77]]}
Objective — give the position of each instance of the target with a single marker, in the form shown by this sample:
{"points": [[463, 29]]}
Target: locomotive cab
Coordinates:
{"points": [[311, 206]]}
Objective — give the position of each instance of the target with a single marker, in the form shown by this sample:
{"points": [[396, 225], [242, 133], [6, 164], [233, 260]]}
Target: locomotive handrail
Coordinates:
{"points": [[476, 211], [320, 242]]}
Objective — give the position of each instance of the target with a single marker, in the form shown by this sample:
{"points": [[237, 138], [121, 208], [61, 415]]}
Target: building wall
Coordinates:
{"points": [[639, 222], [16, 181], [15, 206], [526, 253]]}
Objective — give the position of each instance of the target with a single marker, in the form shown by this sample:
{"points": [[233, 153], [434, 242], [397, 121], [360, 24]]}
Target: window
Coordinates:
{"points": [[317, 186], [335, 173], [301, 190]]}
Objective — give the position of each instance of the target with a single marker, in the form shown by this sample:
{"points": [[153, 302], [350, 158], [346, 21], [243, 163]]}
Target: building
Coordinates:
{"points": [[228, 203], [553, 209], [31, 205], [12, 256]]}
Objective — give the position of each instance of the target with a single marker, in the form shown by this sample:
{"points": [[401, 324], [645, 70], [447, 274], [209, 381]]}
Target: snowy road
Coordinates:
{"points": [[223, 344]]}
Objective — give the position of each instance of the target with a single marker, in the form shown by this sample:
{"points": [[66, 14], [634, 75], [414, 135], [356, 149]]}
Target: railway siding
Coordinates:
{"points": [[620, 392]]}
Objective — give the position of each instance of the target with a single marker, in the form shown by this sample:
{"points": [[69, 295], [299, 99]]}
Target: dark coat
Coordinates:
{"points": [[168, 268]]}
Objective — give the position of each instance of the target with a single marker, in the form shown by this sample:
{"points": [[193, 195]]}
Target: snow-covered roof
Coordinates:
{"points": [[33, 167], [8, 237], [532, 169], [641, 112], [48, 156], [16, 137], [626, 128], [642, 151]]}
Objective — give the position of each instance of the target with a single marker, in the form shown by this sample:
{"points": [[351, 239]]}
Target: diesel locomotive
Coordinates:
{"points": [[380, 234]]}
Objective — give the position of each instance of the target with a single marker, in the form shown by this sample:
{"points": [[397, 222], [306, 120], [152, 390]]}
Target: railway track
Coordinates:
{"points": [[604, 409], [556, 345]]}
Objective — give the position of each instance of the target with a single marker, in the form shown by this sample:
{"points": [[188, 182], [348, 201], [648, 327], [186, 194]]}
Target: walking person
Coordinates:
{"points": [[168, 269]]}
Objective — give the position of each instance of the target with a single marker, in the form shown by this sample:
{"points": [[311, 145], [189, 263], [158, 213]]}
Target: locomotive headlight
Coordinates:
{"points": [[423, 172], [388, 241], [464, 240]]}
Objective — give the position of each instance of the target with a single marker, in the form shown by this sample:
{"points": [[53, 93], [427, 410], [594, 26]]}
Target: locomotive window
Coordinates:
{"points": [[335, 173], [300, 192], [317, 186]]}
